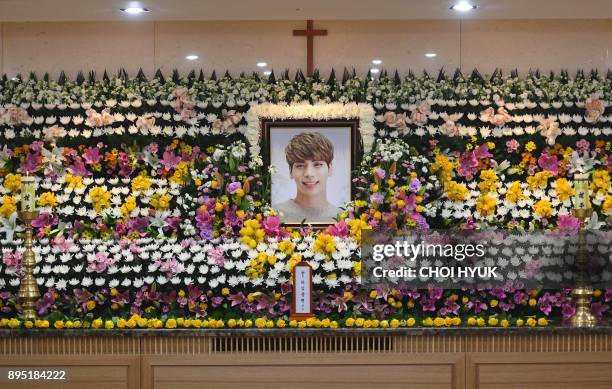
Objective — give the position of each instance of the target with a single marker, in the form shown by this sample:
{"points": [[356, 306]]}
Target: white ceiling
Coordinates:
{"points": [[104, 10]]}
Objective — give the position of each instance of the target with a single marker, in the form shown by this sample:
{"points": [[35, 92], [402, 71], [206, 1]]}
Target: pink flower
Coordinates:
{"points": [[549, 162], [14, 115], [187, 114], [169, 160], [482, 151], [78, 168], [183, 103], [400, 122], [171, 267], [272, 227], [568, 223], [145, 122], [380, 173], [532, 268], [102, 119], [52, 133], [92, 156], [377, 198], [339, 229], [217, 255], [99, 263], [62, 244], [594, 109], [468, 164], [13, 260], [153, 148], [31, 163], [390, 118], [583, 145], [450, 128], [512, 145], [420, 114], [487, 114], [501, 117]]}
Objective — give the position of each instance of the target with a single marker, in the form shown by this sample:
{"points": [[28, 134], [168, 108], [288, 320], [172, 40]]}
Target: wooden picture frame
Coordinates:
{"points": [[354, 145]]}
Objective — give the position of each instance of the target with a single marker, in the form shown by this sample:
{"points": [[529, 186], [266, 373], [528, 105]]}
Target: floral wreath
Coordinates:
{"points": [[364, 112]]}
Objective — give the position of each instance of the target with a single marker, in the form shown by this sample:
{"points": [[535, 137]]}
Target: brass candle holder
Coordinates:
{"points": [[28, 289], [582, 291]]}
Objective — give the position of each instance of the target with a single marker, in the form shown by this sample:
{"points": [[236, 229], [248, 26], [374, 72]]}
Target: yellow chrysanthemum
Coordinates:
{"points": [[443, 167], [564, 189], [141, 183], [515, 193], [251, 233], [456, 191], [486, 205], [100, 198], [9, 205], [601, 182], [286, 246], [325, 244], [181, 173], [161, 202], [47, 199], [12, 182], [606, 207], [489, 181], [539, 180], [543, 208], [74, 182], [128, 206]]}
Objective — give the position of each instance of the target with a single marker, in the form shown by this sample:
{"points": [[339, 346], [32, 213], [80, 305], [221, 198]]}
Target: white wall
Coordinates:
{"points": [[237, 46]]}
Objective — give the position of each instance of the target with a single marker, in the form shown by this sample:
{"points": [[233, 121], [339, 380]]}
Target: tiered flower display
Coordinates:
{"points": [[154, 202]]}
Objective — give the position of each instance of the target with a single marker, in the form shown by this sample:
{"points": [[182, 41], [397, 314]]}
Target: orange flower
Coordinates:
{"points": [[173, 145], [526, 157]]}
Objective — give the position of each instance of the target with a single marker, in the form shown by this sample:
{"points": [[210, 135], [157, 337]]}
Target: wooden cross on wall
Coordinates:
{"points": [[310, 33]]}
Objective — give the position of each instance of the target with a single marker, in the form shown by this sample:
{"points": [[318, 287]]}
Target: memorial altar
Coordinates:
{"points": [[179, 229]]}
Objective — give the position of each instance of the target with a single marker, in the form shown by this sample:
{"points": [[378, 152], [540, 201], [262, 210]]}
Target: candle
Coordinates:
{"points": [[28, 193], [581, 187]]}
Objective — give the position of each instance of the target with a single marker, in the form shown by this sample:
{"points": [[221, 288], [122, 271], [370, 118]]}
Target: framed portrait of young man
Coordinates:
{"points": [[313, 161]]}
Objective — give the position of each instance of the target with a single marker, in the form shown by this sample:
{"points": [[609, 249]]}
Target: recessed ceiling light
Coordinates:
{"points": [[262, 64], [463, 6], [430, 55], [374, 71], [134, 10], [267, 73], [376, 61], [192, 57]]}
